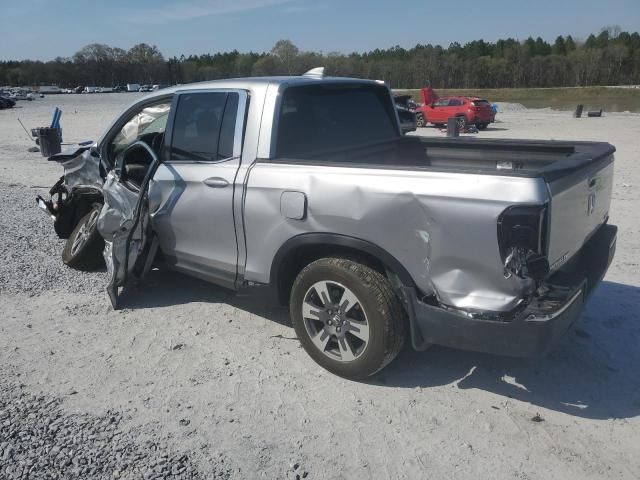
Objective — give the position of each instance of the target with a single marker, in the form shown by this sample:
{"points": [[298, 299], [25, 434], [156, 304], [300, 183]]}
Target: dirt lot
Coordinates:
{"points": [[190, 380]]}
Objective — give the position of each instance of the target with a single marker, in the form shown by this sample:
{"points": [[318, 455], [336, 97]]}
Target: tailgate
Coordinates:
{"points": [[580, 201]]}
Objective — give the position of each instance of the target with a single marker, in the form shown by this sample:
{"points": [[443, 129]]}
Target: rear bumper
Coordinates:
{"points": [[483, 119], [530, 331]]}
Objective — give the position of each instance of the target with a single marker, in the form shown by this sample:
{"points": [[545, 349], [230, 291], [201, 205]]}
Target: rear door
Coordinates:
{"points": [[191, 195]]}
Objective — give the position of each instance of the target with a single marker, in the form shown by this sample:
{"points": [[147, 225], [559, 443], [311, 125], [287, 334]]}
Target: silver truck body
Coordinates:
{"points": [[230, 222]]}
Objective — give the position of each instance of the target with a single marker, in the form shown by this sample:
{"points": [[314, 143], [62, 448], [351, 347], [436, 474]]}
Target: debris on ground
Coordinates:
{"points": [[537, 418]]}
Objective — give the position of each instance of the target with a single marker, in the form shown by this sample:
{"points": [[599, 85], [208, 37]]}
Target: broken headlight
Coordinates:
{"points": [[522, 239]]}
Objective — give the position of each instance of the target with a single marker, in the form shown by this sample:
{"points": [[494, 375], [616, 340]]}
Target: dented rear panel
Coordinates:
{"points": [[440, 226]]}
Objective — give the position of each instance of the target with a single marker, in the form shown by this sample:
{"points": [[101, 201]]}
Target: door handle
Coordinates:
{"points": [[216, 182]]}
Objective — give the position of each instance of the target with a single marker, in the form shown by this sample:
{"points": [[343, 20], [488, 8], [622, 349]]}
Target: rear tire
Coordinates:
{"points": [[83, 250], [359, 329]]}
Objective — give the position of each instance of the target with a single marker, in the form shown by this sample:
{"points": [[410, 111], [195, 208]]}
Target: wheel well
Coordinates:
{"points": [[291, 259]]}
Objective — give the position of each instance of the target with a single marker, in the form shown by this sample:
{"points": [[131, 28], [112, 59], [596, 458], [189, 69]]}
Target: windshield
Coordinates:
{"points": [[325, 118]]}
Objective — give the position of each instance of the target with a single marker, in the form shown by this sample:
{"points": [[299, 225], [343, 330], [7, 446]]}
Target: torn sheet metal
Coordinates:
{"points": [[81, 168], [124, 225]]}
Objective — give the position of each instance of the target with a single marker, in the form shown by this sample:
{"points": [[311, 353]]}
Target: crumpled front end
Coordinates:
{"points": [[76, 192]]}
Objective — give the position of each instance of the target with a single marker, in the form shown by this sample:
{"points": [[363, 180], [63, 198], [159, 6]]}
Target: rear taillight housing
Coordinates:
{"points": [[523, 239]]}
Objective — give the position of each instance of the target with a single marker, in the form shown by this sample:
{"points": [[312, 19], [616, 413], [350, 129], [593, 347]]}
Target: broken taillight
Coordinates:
{"points": [[522, 239]]}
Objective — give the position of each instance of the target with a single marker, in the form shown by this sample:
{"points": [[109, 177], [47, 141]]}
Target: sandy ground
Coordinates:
{"points": [[258, 405]]}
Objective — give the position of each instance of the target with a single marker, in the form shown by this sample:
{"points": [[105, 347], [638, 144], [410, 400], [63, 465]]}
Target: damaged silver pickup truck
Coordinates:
{"points": [[308, 185]]}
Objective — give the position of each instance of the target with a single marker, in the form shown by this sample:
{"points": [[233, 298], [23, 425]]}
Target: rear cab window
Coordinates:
{"points": [[204, 126], [329, 117]]}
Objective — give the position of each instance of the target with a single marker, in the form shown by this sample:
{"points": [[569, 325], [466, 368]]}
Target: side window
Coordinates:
{"points": [[455, 102], [204, 126], [442, 102], [228, 129], [147, 125]]}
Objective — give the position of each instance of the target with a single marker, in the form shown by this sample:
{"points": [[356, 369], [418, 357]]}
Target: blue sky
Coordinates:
{"points": [[44, 29]]}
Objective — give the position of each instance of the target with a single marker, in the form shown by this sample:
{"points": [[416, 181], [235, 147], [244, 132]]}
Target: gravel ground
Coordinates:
{"points": [[189, 376], [31, 259], [38, 439]]}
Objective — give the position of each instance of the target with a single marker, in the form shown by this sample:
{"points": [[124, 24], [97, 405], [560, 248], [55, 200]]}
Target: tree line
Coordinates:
{"points": [[611, 57]]}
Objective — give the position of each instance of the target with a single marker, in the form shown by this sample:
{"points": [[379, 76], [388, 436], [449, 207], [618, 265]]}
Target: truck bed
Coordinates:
{"points": [[528, 158], [577, 176]]}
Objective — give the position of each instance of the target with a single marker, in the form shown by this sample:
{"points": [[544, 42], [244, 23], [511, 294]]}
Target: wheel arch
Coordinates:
{"points": [[299, 251]]}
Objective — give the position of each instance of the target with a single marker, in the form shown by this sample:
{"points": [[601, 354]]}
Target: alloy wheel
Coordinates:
{"points": [[335, 321], [84, 233]]}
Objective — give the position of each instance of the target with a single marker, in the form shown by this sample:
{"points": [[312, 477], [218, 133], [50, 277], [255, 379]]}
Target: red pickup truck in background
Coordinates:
{"points": [[467, 110]]}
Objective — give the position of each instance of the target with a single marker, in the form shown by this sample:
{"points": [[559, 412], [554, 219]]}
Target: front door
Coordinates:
{"points": [[439, 111], [131, 150], [191, 194]]}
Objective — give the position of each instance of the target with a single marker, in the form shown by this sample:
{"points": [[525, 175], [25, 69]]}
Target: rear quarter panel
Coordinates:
{"points": [[440, 226]]}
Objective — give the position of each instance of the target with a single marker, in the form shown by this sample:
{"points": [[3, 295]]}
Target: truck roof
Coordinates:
{"points": [[248, 83]]}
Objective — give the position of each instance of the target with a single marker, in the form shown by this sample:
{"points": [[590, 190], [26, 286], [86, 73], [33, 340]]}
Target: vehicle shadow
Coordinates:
{"points": [[163, 288], [592, 374]]}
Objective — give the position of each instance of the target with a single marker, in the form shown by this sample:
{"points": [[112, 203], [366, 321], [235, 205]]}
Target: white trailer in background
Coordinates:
{"points": [[133, 87], [48, 89]]}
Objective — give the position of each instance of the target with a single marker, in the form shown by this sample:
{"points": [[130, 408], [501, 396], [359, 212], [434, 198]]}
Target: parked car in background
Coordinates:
{"points": [[91, 90], [49, 89], [307, 184], [21, 95], [6, 102], [405, 107], [146, 88], [120, 88], [466, 110]]}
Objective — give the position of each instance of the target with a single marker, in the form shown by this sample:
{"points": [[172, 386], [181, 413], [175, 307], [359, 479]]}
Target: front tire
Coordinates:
{"points": [[462, 123], [420, 120], [83, 250], [481, 126], [347, 317]]}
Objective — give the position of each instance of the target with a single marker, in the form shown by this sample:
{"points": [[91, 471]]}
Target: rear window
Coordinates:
{"points": [[481, 103], [324, 118]]}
